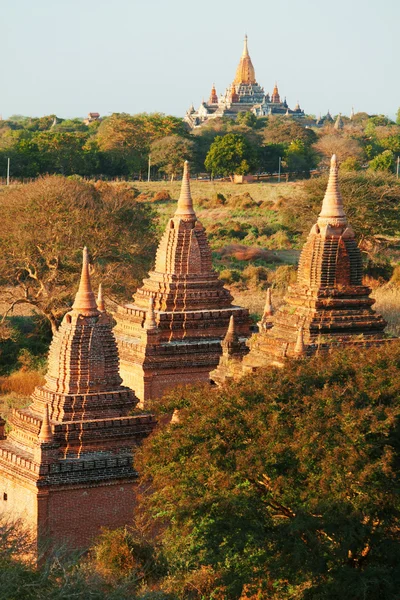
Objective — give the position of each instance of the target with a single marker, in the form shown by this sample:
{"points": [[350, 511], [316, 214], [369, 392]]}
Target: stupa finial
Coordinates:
{"points": [[150, 320], [185, 203], [231, 327], [100, 299], [46, 434], [332, 212], [245, 48], [300, 349], [85, 301], [268, 308]]}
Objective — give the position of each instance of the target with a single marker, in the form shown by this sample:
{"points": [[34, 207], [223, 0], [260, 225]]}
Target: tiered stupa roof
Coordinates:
{"points": [[329, 303], [191, 307], [83, 385], [72, 447]]}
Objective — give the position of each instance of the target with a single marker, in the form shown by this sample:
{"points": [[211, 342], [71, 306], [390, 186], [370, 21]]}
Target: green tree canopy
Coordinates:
{"points": [[285, 484], [169, 154], [230, 154]]}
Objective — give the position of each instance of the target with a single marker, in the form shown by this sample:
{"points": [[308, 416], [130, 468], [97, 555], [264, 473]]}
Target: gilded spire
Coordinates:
{"points": [[245, 52], [150, 321], [46, 434], [185, 203], [100, 299], [85, 301], [245, 73], [332, 212]]}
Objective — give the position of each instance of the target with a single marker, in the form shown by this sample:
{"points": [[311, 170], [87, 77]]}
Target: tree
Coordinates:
{"points": [[383, 162], [285, 484], [300, 158], [343, 147], [42, 269], [229, 155], [169, 154], [127, 138], [285, 130]]}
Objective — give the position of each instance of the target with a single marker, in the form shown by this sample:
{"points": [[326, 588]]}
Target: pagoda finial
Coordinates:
{"points": [[100, 299], [185, 203], [85, 301], [245, 48], [46, 434], [268, 308], [332, 212], [300, 349], [150, 321], [231, 327]]}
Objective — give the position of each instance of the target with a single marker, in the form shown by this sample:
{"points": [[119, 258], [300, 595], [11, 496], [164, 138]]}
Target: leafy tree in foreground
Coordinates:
{"points": [[284, 484], [229, 155], [45, 225]]}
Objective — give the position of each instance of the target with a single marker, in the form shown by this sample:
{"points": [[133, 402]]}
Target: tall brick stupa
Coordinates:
{"points": [[328, 305], [171, 334], [66, 467]]}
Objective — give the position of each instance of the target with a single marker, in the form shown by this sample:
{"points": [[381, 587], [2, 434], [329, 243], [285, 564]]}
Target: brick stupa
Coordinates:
{"points": [[172, 332], [66, 468], [328, 305]]}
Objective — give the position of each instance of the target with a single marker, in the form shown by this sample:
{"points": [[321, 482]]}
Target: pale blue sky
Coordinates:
{"points": [[70, 57]]}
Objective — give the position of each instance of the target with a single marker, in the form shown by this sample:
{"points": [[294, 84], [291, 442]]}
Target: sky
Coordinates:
{"points": [[71, 57]]}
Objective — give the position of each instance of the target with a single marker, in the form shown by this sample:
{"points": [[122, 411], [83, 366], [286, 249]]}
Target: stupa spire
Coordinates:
{"points": [[332, 212], [268, 309], [299, 349], [150, 321], [85, 301], [46, 434], [245, 73], [245, 48], [100, 299], [185, 203]]}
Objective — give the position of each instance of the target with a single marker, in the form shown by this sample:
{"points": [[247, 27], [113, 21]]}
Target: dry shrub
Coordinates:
{"points": [[242, 201], [388, 305], [21, 382], [279, 241], [143, 197], [229, 276], [161, 196], [241, 252], [254, 276], [196, 585], [283, 276], [395, 279]]}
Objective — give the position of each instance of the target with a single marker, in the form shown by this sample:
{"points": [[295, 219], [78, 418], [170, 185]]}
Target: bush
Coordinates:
{"points": [[378, 268], [161, 196]]}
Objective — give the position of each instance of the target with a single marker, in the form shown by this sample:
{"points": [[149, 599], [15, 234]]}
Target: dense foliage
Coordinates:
{"points": [[45, 225], [120, 145], [284, 485]]}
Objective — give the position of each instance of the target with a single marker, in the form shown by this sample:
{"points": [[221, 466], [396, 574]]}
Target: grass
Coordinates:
{"points": [[388, 305]]}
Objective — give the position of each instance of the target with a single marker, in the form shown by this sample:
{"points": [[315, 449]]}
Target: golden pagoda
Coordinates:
{"points": [[245, 73], [243, 94]]}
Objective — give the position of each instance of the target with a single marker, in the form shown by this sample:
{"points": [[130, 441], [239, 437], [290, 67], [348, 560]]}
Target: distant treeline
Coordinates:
{"points": [[123, 145]]}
